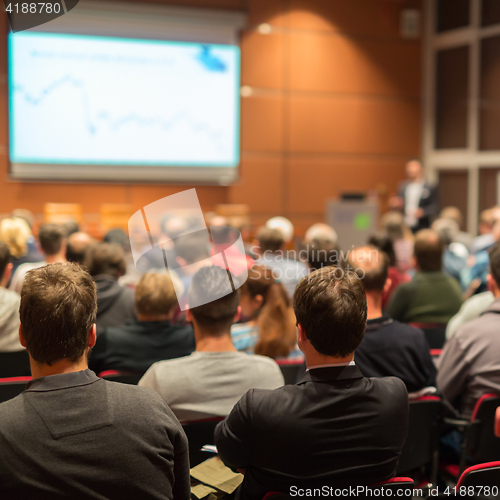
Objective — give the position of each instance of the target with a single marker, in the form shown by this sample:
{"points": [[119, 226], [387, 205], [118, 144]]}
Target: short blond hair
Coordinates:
{"points": [[15, 233], [155, 294]]}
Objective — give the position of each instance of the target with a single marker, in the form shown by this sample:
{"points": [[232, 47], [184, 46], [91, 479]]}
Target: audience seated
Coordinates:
{"points": [[431, 296], [76, 247], [53, 244], [321, 246], [470, 365], [71, 434], [389, 348], [270, 246], [210, 381], [454, 214], [16, 234], [393, 224], [139, 344], [28, 217], [9, 306], [487, 220], [335, 427], [269, 322], [395, 274], [115, 303]]}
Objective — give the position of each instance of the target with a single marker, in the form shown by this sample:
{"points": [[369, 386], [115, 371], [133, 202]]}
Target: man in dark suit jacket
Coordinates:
{"points": [[417, 198], [71, 434], [389, 348], [335, 427], [139, 344]]}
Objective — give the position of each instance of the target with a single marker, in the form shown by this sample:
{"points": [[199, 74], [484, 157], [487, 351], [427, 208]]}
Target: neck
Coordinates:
{"points": [[58, 367], [374, 303], [158, 317], [314, 358], [209, 343], [54, 259]]}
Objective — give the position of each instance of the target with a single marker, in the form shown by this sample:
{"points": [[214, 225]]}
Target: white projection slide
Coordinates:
{"points": [[106, 101]]}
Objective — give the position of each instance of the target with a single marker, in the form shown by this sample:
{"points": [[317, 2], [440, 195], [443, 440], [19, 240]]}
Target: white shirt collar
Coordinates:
{"points": [[333, 365]]}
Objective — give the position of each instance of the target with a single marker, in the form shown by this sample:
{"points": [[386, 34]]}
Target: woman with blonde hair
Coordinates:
{"points": [[269, 329], [16, 234]]}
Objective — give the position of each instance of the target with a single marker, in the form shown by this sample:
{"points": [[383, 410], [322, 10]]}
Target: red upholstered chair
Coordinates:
{"points": [[12, 387], [131, 378], [422, 444], [487, 474], [479, 441], [435, 333]]}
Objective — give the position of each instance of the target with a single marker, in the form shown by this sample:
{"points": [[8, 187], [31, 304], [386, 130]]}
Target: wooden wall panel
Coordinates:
{"points": [[334, 106]]}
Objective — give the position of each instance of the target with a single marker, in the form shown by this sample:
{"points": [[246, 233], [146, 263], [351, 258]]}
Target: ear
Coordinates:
{"points": [[259, 300], [387, 286], [7, 274], [237, 315], [413, 262], [92, 336], [497, 422], [301, 333], [189, 315], [492, 285], [21, 337]]}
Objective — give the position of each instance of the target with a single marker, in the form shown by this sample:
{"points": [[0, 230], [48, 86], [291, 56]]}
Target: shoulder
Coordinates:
{"points": [[262, 361], [9, 297], [408, 330], [391, 390]]}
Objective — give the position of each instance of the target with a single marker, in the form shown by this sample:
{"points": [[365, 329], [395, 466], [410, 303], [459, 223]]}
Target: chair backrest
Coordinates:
{"points": [[12, 387], [14, 364], [290, 369], [59, 213], [482, 444], [485, 475], [200, 433], [394, 484], [115, 216], [435, 333], [423, 439], [131, 378]]}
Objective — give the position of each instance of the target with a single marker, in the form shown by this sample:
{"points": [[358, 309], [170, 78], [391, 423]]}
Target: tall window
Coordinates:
{"points": [[461, 126]]}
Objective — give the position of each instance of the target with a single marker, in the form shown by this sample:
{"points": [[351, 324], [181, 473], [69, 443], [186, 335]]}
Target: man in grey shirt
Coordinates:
{"points": [[71, 434], [470, 365], [211, 380]]}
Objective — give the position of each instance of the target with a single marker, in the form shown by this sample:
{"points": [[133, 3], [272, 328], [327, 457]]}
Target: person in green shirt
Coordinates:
{"points": [[431, 296]]}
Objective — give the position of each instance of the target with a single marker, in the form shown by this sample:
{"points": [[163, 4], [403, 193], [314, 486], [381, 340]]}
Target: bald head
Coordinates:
{"points": [[372, 266], [77, 246], [428, 250]]}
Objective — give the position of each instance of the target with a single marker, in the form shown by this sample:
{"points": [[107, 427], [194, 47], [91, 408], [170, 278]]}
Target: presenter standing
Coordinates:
{"points": [[417, 198]]}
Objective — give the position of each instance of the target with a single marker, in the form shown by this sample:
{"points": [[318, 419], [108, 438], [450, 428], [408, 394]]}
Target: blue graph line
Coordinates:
{"points": [[116, 124]]}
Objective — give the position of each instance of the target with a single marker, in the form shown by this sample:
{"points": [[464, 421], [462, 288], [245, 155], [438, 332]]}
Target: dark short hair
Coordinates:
{"points": [[371, 265], [51, 237], [494, 265], [383, 242], [58, 309], [322, 253], [193, 247], [119, 237], [428, 249], [4, 258], [270, 240], [217, 316], [105, 258], [330, 304], [70, 227]]}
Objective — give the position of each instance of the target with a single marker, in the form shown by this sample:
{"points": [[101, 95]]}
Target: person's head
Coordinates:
{"points": [[494, 270], [76, 247], [321, 232], [283, 225], [386, 245], [452, 213], [155, 297], [414, 170], [266, 301], [393, 223], [486, 221], [447, 229], [372, 267], [213, 319], [269, 240], [5, 264], [330, 307], [15, 233], [52, 239], [27, 215], [119, 237], [321, 246], [192, 248], [105, 259], [70, 227], [58, 312], [428, 251]]}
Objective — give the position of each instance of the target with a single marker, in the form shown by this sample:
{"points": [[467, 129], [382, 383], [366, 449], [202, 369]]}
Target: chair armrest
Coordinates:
{"points": [[456, 422]]}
